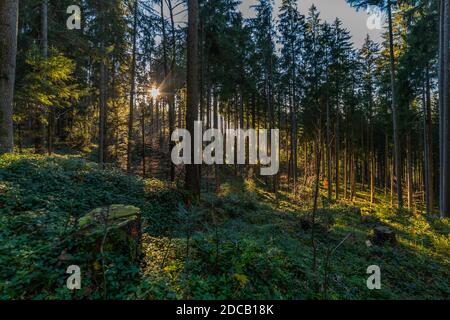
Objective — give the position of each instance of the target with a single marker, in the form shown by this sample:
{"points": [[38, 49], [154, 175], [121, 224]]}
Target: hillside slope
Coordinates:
{"points": [[239, 244]]}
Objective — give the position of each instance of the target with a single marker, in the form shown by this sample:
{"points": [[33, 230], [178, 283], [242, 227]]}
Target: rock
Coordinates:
{"points": [[384, 235], [116, 228]]}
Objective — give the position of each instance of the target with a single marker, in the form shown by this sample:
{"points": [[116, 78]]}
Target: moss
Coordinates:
{"points": [[115, 215]]}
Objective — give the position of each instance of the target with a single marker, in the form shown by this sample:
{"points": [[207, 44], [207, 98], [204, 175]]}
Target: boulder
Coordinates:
{"points": [[384, 235]]}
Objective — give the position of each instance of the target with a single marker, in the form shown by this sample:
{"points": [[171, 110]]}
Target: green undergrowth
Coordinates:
{"points": [[239, 243], [245, 243], [41, 200]]}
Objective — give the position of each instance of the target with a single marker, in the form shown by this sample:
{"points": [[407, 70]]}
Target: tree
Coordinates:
{"points": [[338, 76], [444, 111], [397, 146], [44, 52], [40, 109], [264, 33], [292, 27], [369, 55], [192, 170], [102, 82], [132, 86], [8, 47], [387, 5], [171, 80], [315, 66], [49, 82]]}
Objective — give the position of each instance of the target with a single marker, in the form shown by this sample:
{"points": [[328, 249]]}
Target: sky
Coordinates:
{"points": [[355, 22]]}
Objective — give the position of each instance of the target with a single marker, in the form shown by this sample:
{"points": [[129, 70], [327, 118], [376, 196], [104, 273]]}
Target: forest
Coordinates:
{"points": [[95, 96]]}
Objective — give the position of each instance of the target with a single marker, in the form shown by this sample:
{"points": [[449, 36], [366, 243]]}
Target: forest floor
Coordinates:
{"points": [[241, 242]]}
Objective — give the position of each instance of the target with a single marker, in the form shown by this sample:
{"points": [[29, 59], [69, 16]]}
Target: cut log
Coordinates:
{"points": [[369, 220], [306, 224], [357, 211], [113, 229], [384, 235]]}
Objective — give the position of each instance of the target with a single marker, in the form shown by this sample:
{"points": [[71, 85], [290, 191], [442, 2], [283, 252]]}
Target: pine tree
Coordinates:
{"points": [[132, 85], [387, 7], [444, 108], [369, 57], [192, 170], [292, 27], [339, 71]]}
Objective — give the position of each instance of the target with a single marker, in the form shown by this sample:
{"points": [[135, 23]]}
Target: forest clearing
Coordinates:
{"points": [[224, 150]]}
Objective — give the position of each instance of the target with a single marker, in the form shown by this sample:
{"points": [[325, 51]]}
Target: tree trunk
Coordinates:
{"points": [[409, 171], [293, 103], [44, 50], [133, 90], [371, 142], [352, 175], [337, 155], [428, 139], [397, 146], [8, 48], [316, 198], [328, 151], [346, 169], [386, 164], [38, 126], [215, 124], [392, 169], [444, 131], [102, 86], [172, 90], [102, 115], [192, 170], [144, 163]]}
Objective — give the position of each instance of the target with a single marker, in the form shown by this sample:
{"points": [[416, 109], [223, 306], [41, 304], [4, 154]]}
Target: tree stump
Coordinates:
{"points": [[384, 235], [368, 220], [306, 223], [113, 229]]}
